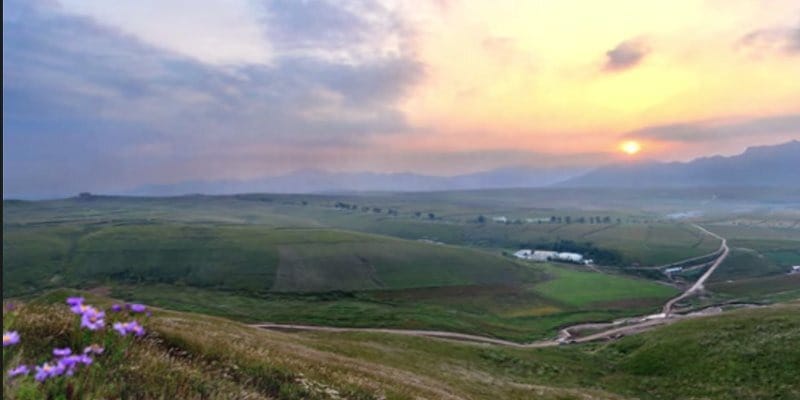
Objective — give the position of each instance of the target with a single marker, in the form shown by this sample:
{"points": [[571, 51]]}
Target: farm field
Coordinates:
{"points": [[244, 258], [521, 313], [413, 260]]}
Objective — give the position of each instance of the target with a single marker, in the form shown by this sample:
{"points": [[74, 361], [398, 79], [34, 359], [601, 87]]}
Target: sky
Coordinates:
{"points": [[106, 96]]}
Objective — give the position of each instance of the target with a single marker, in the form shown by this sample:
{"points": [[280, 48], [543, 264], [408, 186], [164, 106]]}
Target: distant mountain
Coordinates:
{"points": [[777, 165], [315, 181]]}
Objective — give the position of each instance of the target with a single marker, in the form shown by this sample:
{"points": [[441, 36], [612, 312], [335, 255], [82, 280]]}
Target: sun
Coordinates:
{"points": [[630, 147]]}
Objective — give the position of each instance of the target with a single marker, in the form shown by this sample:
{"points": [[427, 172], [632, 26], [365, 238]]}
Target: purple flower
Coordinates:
{"points": [[93, 319], [10, 338], [137, 308], [48, 370], [20, 370], [68, 364], [69, 361], [93, 349], [120, 327], [81, 308], [116, 308], [74, 301], [129, 327], [62, 352]]}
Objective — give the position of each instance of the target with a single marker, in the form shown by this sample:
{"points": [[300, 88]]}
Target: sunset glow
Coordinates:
{"points": [[630, 147], [240, 90]]}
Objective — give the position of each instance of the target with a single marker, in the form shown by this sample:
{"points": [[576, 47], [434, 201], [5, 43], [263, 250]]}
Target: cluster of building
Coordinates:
{"points": [[795, 269], [547, 255]]}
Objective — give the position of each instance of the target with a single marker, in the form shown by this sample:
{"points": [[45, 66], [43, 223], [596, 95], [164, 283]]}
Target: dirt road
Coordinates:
{"points": [[615, 329], [699, 284]]}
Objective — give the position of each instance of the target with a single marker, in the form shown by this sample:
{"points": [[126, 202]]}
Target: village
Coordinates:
{"points": [[548, 255]]}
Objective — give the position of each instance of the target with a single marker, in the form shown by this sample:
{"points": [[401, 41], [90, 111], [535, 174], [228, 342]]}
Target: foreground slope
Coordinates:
{"points": [[745, 354]]}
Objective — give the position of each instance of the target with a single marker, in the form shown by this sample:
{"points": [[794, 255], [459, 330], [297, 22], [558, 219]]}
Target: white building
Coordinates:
{"points": [[673, 270], [524, 254], [500, 219], [796, 269], [544, 255], [571, 257]]}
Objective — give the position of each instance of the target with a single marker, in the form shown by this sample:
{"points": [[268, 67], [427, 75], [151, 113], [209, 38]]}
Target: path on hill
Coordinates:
{"points": [[699, 284], [608, 330]]}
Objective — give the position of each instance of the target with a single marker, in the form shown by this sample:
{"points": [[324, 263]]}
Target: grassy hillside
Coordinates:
{"points": [[628, 236], [245, 258], [746, 354]]}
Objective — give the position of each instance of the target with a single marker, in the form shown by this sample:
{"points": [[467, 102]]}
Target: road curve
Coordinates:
{"points": [[617, 329], [699, 284]]}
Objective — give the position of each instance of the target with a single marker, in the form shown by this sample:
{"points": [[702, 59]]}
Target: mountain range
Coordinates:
{"points": [[777, 165]]}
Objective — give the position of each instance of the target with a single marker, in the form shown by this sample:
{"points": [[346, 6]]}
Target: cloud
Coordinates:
{"points": [[218, 32], [626, 55], [772, 40], [720, 130], [89, 104]]}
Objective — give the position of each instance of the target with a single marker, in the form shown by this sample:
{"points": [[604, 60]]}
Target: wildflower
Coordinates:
{"points": [[82, 309], [93, 319], [116, 308], [74, 301], [20, 370], [48, 370], [93, 349], [62, 352], [10, 338], [137, 308], [120, 327], [129, 327]]}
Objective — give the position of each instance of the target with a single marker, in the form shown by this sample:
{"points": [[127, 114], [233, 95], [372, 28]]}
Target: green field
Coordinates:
{"points": [[248, 258], [521, 313], [581, 289], [743, 354], [372, 259]]}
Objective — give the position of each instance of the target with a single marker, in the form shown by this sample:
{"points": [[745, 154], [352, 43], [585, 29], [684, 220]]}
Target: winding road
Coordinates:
{"points": [[615, 329], [699, 285]]}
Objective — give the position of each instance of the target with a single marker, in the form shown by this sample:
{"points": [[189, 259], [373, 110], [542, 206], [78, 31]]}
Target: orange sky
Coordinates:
{"points": [[532, 74]]}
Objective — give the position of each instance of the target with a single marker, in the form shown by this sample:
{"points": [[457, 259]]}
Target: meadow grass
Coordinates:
{"points": [[581, 288], [744, 354]]}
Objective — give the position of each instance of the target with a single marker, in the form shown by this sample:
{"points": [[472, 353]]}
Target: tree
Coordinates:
{"points": [[552, 219], [568, 219], [481, 219], [431, 216]]}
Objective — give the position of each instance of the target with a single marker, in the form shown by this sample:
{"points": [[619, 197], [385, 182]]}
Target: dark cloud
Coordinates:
{"points": [[85, 98], [709, 131], [626, 55]]}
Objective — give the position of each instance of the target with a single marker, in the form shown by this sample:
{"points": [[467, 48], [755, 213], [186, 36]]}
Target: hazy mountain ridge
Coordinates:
{"points": [[310, 181], [777, 165], [757, 166]]}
